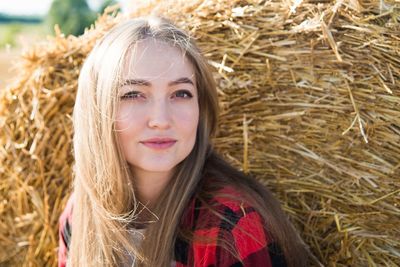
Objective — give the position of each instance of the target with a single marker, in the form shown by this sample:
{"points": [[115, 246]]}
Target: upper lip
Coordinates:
{"points": [[159, 140]]}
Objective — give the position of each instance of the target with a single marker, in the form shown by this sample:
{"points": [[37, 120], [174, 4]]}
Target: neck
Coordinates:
{"points": [[149, 185]]}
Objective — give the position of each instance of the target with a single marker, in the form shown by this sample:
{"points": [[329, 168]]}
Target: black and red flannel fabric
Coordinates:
{"points": [[246, 235]]}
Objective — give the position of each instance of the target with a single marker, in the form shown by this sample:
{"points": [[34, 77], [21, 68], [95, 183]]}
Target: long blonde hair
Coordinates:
{"points": [[105, 202]]}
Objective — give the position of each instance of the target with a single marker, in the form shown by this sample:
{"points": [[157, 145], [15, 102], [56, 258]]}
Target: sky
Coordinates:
{"points": [[38, 7]]}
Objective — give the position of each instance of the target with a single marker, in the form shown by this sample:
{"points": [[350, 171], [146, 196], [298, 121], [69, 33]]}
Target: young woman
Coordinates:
{"points": [[149, 189]]}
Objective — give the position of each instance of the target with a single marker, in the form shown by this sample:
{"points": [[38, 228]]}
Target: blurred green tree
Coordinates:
{"points": [[107, 3], [73, 16], [9, 34]]}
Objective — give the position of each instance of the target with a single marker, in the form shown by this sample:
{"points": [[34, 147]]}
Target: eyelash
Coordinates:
{"points": [[136, 94]]}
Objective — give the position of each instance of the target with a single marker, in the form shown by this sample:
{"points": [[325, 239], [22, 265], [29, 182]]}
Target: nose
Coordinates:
{"points": [[159, 115]]}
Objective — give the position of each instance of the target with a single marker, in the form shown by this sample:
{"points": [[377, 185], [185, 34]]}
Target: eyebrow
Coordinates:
{"points": [[147, 83]]}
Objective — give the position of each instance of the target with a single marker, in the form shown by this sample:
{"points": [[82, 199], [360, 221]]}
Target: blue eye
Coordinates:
{"points": [[131, 95], [183, 94]]}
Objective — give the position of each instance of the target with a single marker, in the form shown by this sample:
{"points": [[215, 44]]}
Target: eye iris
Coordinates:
{"points": [[131, 95], [183, 94]]}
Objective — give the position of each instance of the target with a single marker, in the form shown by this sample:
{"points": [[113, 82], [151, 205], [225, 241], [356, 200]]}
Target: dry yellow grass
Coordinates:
{"points": [[310, 105]]}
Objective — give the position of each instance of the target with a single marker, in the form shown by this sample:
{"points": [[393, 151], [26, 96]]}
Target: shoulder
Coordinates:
{"points": [[239, 217], [66, 214], [232, 224], [64, 231], [232, 203]]}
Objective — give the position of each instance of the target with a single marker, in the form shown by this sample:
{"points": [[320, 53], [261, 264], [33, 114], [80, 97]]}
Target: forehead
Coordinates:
{"points": [[153, 59]]}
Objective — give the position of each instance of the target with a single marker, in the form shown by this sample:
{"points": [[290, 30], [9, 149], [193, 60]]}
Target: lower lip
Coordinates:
{"points": [[163, 145]]}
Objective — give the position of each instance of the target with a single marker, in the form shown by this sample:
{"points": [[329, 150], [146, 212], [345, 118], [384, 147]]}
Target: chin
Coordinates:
{"points": [[159, 167]]}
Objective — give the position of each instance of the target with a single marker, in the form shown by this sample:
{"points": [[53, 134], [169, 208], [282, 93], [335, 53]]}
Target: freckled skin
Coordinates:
{"points": [[160, 109]]}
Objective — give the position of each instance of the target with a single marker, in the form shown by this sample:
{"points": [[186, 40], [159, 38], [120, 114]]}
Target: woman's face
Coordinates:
{"points": [[158, 112]]}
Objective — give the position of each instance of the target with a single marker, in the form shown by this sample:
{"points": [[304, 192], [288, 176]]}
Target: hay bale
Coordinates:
{"points": [[310, 105]]}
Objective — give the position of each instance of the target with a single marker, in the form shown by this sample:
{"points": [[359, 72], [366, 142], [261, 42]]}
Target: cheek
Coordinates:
{"points": [[126, 122], [126, 111], [187, 119]]}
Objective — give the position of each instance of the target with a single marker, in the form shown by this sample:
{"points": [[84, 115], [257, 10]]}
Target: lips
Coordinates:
{"points": [[159, 142]]}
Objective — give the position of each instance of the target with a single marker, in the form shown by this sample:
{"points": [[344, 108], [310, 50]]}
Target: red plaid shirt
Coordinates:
{"points": [[246, 234]]}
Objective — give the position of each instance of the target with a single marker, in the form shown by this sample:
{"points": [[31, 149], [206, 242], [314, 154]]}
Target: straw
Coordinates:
{"points": [[309, 96]]}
